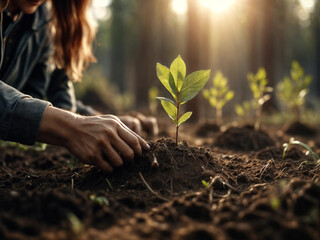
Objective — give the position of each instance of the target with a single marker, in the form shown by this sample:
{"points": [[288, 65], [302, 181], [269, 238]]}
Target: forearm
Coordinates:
{"points": [[100, 140], [20, 115], [57, 126]]}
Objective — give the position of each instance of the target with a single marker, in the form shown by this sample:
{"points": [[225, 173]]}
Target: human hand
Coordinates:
{"points": [[103, 141], [132, 122], [139, 122]]}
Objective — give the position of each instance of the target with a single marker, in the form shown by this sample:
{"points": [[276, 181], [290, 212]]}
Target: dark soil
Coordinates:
{"points": [[244, 138], [249, 194], [300, 129], [207, 129]]}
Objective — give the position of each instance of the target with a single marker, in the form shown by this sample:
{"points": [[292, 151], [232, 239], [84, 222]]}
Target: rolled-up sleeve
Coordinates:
{"points": [[20, 115]]}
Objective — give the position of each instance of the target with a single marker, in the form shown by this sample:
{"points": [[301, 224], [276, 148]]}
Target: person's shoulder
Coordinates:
{"points": [[44, 12], [41, 17]]}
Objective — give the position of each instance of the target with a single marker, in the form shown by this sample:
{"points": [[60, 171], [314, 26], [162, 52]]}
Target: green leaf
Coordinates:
{"points": [[163, 74], [170, 109], [184, 118], [173, 85], [206, 93], [239, 110], [178, 70], [229, 95], [165, 99], [193, 84]]}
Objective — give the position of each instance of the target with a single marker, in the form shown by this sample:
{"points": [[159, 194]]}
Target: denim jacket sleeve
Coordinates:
{"points": [[39, 78], [20, 115], [61, 94], [60, 91]]}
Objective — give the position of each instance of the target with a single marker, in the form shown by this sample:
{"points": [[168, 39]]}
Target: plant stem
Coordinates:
{"points": [[177, 119], [177, 130], [258, 117], [219, 115]]}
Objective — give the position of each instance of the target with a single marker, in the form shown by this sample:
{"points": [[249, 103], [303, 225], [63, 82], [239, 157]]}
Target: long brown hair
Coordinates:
{"points": [[3, 4], [73, 34]]}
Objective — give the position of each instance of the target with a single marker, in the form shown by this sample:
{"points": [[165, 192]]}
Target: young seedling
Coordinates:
{"points": [[314, 155], [182, 88], [293, 90], [76, 224], [243, 110], [258, 86], [219, 94], [100, 200]]}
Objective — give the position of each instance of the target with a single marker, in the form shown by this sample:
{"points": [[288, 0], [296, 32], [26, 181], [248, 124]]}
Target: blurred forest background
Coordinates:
{"points": [[233, 36]]}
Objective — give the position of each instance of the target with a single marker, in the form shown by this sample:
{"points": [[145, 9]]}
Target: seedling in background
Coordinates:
{"points": [[101, 200], [76, 224], [153, 103], [205, 184], [314, 155], [182, 89], [219, 94], [293, 90], [258, 85], [243, 110]]}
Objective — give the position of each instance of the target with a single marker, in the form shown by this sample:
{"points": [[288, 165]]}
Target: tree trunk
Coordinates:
{"points": [[145, 67], [268, 47], [117, 45], [193, 59]]}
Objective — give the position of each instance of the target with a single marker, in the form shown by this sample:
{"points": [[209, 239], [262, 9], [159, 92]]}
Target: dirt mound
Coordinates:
{"points": [[300, 129], [193, 193], [207, 129], [207, 216], [243, 138]]}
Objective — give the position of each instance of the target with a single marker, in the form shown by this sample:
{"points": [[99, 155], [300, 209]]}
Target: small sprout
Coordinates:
{"points": [[292, 141], [101, 200], [293, 90], [40, 147], [109, 184], [219, 94], [73, 162], [76, 224], [261, 93], [205, 184], [275, 203], [182, 89]]}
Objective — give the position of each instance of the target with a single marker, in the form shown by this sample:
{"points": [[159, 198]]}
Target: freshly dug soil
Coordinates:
{"points": [[192, 193], [244, 138], [207, 129], [300, 129]]}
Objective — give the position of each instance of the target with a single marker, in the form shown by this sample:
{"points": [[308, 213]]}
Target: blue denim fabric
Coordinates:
{"points": [[28, 66], [20, 114], [28, 69]]}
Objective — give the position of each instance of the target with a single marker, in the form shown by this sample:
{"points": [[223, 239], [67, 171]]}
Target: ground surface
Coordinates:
{"points": [[251, 193]]}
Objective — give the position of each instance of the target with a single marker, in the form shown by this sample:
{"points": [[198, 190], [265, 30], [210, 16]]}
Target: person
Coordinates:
{"points": [[40, 53]]}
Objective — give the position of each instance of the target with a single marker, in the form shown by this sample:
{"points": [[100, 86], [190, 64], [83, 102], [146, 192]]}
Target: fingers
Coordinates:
{"points": [[103, 164], [106, 142], [125, 135], [131, 122], [116, 150], [131, 139], [150, 126]]}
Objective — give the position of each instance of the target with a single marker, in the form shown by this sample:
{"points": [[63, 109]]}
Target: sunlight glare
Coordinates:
{"points": [[180, 7], [217, 6], [308, 5], [100, 9]]}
